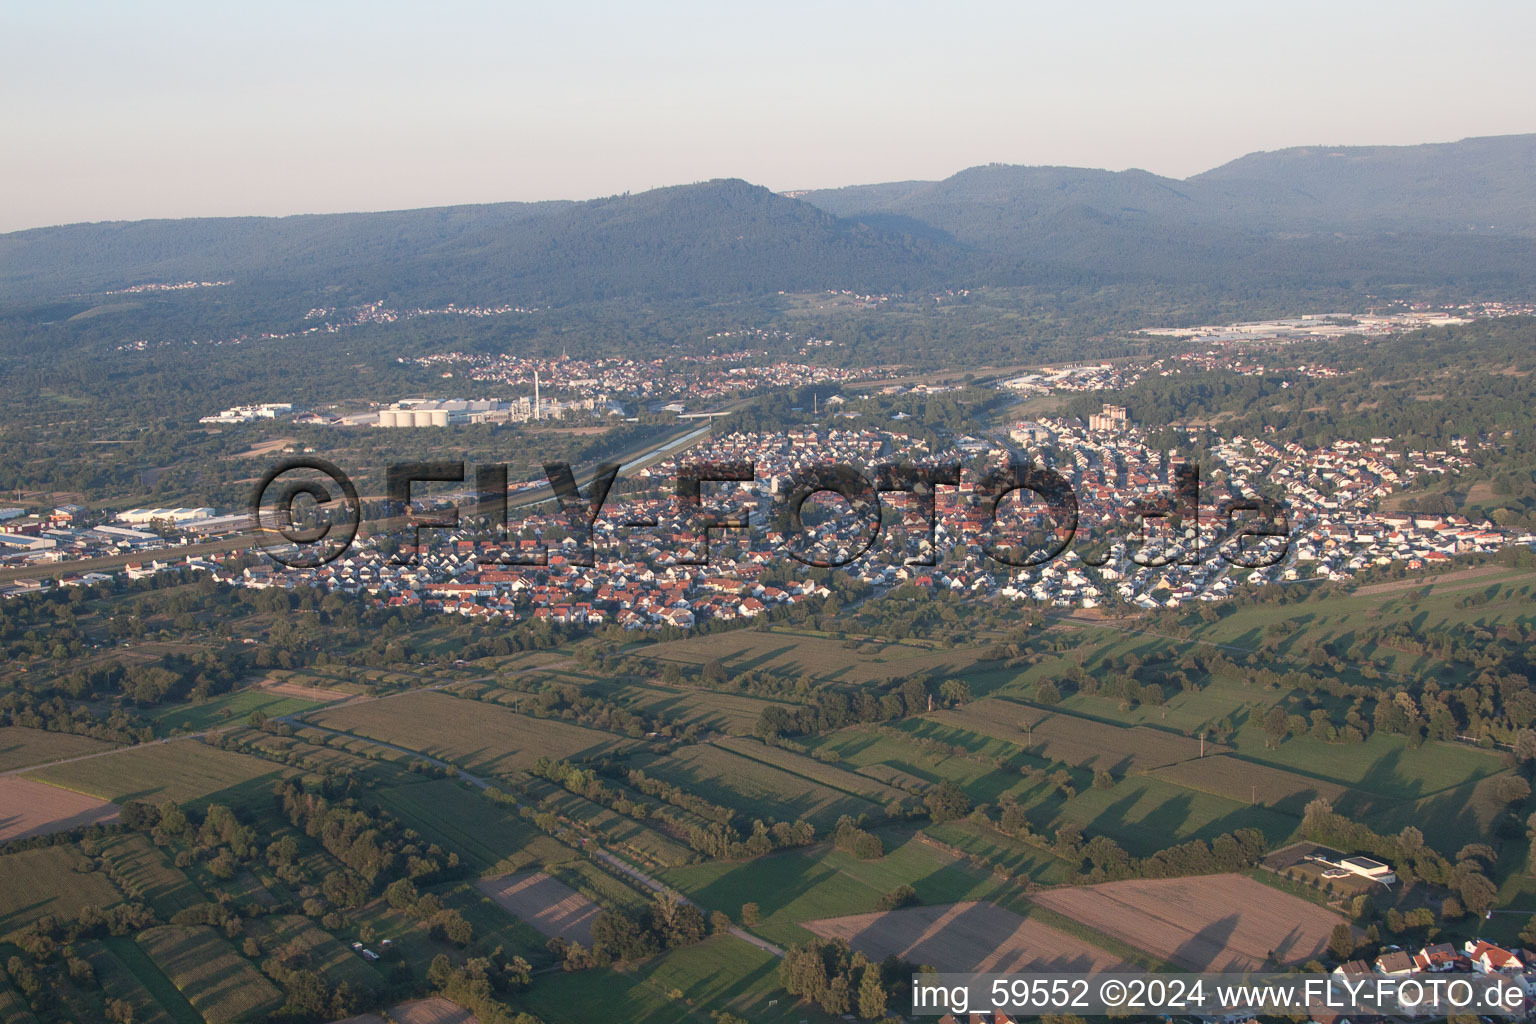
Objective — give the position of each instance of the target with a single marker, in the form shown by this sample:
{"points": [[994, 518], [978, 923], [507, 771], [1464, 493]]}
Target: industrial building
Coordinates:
{"points": [[247, 413], [143, 516], [423, 413], [418, 412]]}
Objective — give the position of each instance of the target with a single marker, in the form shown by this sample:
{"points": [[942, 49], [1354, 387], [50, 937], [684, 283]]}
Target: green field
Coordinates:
{"points": [[889, 755], [21, 747], [1020, 860], [1185, 711], [721, 973], [220, 984], [44, 880], [796, 653], [155, 980], [489, 837], [493, 925], [13, 1006], [147, 870], [1145, 815], [618, 832], [721, 712], [807, 884], [183, 770], [415, 946], [163, 1005], [600, 884], [1447, 819], [819, 772], [337, 755], [1384, 765], [1002, 728], [322, 952], [229, 709], [476, 736], [759, 790]]}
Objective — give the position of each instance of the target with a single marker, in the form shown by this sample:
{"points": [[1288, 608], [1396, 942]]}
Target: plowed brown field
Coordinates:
{"points": [[965, 937], [1208, 922], [30, 808]]}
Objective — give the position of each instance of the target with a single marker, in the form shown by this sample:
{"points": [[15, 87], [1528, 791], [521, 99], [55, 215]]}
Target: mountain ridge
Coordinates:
{"points": [[1459, 214]]}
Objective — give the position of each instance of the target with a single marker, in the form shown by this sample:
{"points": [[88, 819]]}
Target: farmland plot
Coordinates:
{"points": [[792, 886], [615, 829], [219, 983], [435, 1010], [966, 937], [723, 712], [183, 771], [21, 747], [722, 973], [814, 770], [44, 881], [1208, 922], [1074, 739], [30, 808], [484, 833], [823, 657], [758, 789], [1144, 814], [1248, 781], [323, 952], [550, 906], [148, 870], [478, 737]]}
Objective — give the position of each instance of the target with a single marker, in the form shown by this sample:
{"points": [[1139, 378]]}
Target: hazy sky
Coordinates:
{"points": [[116, 111]]}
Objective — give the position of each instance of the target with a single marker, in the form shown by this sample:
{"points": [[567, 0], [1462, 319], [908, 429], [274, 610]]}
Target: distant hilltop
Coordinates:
{"points": [[1461, 214]]}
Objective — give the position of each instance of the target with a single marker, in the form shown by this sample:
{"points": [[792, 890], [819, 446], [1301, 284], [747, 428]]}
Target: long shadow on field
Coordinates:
{"points": [[1111, 819], [773, 882], [740, 665], [857, 744], [1202, 950], [20, 914], [719, 998], [1384, 779], [1158, 828], [1450, 817]]}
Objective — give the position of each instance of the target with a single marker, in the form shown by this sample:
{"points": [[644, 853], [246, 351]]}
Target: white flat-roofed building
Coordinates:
{"points": [[247, 413], [142, 516], [126, 535], [1367, 867], [217, 524]]}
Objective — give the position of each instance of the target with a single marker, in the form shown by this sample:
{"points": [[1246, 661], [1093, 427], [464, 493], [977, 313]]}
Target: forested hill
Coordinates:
{"points": [[1460, 213], [714, 238], [1336, 220], [1479, 185]]}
